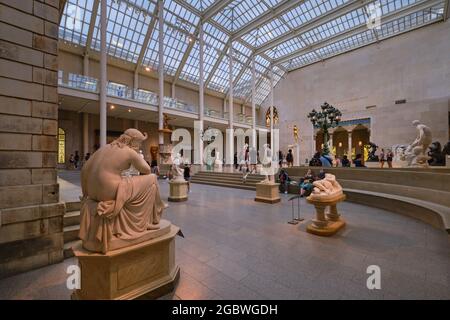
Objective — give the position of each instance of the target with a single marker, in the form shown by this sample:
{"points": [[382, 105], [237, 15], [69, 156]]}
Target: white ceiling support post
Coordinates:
{"points": [[201, 111], [161, 71], [253, 102], [271, 107], [103, 74]]}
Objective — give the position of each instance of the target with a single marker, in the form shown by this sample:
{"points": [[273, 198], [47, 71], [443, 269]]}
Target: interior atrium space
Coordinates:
{"points": [[269, 150]]}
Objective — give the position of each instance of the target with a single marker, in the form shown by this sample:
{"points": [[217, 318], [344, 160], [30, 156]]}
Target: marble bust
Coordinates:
{"points": [[416, 153], [326, 189], [118, 211]]}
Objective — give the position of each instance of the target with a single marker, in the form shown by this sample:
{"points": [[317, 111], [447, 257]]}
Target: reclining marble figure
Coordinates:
{"points": [[119, 211], [326, 189]]}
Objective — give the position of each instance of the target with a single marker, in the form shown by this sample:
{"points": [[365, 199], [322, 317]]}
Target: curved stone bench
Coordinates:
{"points": [[428, 212], [422, 194]]}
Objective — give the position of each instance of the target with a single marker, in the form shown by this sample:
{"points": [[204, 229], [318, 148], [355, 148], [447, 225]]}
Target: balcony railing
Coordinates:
{"points": [[89, 84]]}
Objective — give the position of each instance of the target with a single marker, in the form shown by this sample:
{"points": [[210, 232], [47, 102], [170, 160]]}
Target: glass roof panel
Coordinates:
{"points": [[127, 24], [214, 44], [267, 32], [179, 16], [244, 86], [75, 21], [310, 9], [175, 44], [221, 79], [239, 13], [201, 5]]}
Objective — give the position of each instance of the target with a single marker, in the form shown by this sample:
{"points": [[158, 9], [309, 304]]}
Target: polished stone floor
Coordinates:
{"points": [[236, 248]]}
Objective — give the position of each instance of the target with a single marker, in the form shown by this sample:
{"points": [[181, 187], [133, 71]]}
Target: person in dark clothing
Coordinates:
{"points": [[306, 184], [290, 158], [321, 175], [88, 155], [235, 161], [187, 176], [345, 162], [280, 158], [315, 161], [284, 181], [76, 159], [358, 162]]}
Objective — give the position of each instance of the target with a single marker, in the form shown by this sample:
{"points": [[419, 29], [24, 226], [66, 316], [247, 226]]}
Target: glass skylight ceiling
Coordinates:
{"points": [[296, 34]]}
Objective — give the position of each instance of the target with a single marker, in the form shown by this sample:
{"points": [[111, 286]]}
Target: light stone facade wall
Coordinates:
{"points": [[31, 217], [414, 66]]}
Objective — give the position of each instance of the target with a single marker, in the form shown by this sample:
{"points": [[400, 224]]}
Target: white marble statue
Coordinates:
{"points": [[267, 167], [118, 211], [416, 153], [176, 170], [218, 163], [326, 189]]}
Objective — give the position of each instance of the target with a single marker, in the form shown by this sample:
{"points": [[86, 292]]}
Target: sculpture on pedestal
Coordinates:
{"points": [[118, 211], [267, 165], [176, 170], [327, 192], [415, 153], [326, 189]]}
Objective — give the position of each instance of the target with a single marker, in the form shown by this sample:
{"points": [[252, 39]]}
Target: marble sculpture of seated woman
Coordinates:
{"points": [[118, 211]]}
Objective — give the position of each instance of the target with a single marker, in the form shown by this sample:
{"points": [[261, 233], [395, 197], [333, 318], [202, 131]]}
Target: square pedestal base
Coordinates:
{"points": [[330, 229], [267, 192], [178, 190], [144, 270]]}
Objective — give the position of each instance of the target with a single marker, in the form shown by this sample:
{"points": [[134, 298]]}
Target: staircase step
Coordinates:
{"points": [[72, 218], [73, 206], [227, 185], [68, 252], [71, 233]]}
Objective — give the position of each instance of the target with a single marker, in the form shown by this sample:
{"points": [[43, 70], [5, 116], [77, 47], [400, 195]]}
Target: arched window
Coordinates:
{"points": [[61, 146], [275, 116]]}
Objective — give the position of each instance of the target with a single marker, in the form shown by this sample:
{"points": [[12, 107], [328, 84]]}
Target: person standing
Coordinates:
{"points": [[389, 158], [382, 158], [187, 175], [71, 162], [280, 158], [76, 159], [253, 159], [290, 158]]}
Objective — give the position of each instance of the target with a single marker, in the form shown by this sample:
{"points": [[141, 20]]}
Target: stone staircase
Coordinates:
{"points": [[225, 179], [71, 227]]}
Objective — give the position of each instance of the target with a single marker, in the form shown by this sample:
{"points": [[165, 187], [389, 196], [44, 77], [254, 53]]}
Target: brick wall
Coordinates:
{"points": [[30, 212]]}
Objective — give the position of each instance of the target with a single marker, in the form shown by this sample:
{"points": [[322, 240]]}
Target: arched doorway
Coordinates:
{"points": [[360, 137], [340, 142], [61, 146], [319, 140]]}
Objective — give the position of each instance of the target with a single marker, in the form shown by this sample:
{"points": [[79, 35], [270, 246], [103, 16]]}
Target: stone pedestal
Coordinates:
{"points": [[144, 270], [267, 192], [178, 190], [326, 224]]}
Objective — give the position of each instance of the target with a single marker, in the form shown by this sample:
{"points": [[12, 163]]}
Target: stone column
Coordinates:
{"points": [[85, 133], [349, 151], [31, 217]]}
